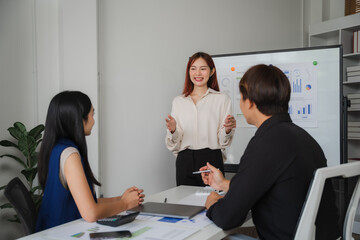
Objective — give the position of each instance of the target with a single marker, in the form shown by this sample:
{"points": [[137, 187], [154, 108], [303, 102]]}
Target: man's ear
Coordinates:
{"points": [[251, 104]]}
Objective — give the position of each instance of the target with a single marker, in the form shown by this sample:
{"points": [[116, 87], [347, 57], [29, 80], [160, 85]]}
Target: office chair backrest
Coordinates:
{"points": [[351, 211], [306, 228], [20, 198]]}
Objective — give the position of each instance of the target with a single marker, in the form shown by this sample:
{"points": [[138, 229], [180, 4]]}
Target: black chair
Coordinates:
{"points": [[20, 198]]}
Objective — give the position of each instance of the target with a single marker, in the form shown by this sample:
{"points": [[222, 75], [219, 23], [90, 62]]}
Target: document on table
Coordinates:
{"points": [[199, 221], [193, 199], [198, 198], [139, 229]]}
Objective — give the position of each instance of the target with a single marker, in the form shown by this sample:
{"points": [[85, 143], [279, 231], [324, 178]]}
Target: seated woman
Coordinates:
{"points": [[64, 171]]}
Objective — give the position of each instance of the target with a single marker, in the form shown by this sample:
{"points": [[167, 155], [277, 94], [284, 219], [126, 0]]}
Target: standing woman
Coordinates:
{"points": [[64, 171], [200, 126]]}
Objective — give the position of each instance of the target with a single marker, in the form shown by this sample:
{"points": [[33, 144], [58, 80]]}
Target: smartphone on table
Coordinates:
{"points": [[108, 235]]}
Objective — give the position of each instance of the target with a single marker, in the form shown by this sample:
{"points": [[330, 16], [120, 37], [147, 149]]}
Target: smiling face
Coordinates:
{"points": [[200, 73]]}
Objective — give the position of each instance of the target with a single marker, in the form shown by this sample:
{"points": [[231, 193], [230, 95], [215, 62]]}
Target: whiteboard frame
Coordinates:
{"points": [[342, 144]]}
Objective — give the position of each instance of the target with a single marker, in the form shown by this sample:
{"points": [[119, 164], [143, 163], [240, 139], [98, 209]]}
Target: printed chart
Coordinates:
{"points": [[303, 83]]}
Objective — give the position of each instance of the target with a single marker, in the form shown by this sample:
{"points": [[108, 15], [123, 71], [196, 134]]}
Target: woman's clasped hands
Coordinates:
{"points": [[133, 197]]}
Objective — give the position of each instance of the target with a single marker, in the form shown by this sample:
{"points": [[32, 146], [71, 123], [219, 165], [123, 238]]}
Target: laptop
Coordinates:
{"points": [[167, 210]]}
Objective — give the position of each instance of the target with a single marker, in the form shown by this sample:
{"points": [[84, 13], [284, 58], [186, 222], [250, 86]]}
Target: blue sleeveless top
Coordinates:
{"points": [[58, 205]]}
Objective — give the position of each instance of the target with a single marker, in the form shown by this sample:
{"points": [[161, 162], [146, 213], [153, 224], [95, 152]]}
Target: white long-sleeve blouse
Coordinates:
{"points": [[200, 125]]}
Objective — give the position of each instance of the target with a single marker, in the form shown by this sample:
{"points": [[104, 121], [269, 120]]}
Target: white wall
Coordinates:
{"points": [[144, 47], [316, 11], [17, 98], [333, 9], [65, 56], [49, 46], [80, 60], [45, 47]]}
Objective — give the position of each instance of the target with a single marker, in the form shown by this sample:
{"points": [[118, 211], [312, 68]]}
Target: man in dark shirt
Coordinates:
{"points": [[277, 166]]}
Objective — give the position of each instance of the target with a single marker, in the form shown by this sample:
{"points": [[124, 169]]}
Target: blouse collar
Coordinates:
{"points": [[209, 91]]}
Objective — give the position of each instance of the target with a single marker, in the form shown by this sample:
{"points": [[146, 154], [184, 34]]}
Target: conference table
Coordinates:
{"points": [[150, 227]]}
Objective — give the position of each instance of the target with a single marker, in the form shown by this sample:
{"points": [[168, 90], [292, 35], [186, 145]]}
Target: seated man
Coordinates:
{"points": [[276, 168]]}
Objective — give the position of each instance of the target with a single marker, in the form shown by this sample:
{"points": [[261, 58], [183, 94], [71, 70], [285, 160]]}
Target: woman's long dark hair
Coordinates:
{"points": [[65, 116]]}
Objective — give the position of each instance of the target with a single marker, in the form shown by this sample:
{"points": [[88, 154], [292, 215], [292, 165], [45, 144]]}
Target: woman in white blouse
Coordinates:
{"points": [[200, 126]]}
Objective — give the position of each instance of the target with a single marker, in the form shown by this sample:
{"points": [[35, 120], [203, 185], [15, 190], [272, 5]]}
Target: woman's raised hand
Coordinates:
{"points": [[230, 123], [170, 123]]}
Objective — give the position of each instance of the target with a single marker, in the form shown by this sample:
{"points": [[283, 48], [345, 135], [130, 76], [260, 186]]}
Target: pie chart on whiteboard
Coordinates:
{"points": [[225, 82]]}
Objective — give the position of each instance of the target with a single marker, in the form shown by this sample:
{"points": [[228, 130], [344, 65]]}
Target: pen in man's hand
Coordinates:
{"points": [[203, 171]]}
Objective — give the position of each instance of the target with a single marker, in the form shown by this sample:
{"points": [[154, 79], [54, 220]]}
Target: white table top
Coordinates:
{"points": [[172, 195]]}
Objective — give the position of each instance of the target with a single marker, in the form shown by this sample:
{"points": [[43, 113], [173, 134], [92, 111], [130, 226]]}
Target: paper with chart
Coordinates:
{"points": [[303, 82], [199, 221]]}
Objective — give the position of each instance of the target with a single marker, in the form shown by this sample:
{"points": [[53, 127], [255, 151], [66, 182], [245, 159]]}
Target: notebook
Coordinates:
{"points": [[167, 210]]}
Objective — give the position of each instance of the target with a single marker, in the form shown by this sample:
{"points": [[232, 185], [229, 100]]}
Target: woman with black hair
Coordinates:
{"points": [[64, 171]]}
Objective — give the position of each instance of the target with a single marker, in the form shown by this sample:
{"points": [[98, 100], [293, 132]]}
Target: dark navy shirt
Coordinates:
{"points": [[58, 205]]}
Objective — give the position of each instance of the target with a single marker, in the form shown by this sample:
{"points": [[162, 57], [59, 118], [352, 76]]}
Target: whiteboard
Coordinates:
{"points": [[315, 76]]}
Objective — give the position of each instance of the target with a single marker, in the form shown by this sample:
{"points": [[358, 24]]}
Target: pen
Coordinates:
{"points": [[202, 171]]}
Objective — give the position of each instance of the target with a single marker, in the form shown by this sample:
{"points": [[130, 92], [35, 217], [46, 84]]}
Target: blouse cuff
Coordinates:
{"points": [[231, 133], [174, 136]]}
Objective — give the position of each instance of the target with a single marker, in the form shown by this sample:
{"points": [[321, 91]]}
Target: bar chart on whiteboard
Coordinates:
{"points": [[303, 83], [316, 102], [303, 100]]}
